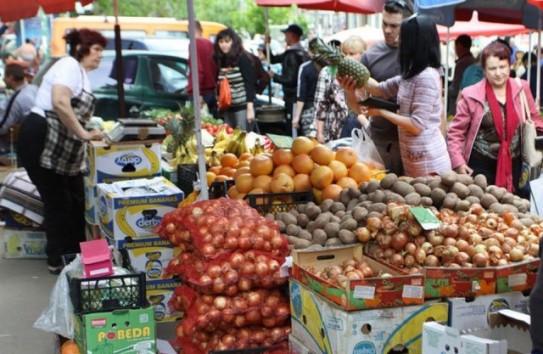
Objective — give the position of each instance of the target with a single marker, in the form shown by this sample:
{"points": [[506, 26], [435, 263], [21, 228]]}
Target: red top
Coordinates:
{"points": [[207, 68]]}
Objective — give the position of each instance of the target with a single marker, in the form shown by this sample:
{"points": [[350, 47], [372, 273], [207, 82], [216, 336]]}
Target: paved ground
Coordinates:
{"points": [[25, 288]]}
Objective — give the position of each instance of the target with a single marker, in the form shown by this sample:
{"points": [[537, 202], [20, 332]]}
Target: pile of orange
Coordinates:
{"points": [[308, 165]]}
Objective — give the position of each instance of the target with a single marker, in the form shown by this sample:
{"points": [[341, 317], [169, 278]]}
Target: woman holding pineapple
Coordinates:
{"points": [[418, 88]]}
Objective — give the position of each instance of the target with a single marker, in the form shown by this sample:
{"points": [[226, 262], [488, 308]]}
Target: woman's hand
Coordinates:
{"points": [[296, 122], [372, 112], [94, 134], [320, 138], [347, 83], [250, 113], [464, 170]]}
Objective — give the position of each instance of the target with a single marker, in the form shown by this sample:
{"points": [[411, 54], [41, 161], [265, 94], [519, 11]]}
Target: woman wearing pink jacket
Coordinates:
{"points": [[484, 136]]}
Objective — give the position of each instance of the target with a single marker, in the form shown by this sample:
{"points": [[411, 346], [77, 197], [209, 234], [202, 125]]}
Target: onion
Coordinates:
{"points": [[435, 239], [516, 254], [414, 229], [367, 271], [462, 258], [449, 253], [244, 242], [253, 298], [219, 302], [208, 250], [253, 317], [245, 284], [257, 243], [397, 260], [462, 245], [450, 230], [205, 280], [237, 259], [231, 290], [399, 240], [495, 253], [231, 277], [373, 223], [277, 241], [475, 239], [410, 248], [247, 268], [420, 256], [272, 301], [517, 224], [431, 261], [266, 311], [350, 262], [363, 234], [533, 249], [389, 227], [409, 260], [219, 286], [491, 242], [384, 240], [426, 246], [480, 260], [214, 316]]}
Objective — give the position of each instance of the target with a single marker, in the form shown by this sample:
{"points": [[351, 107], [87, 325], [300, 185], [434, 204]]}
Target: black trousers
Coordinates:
{"points": [[63, 196], [486, 166]]}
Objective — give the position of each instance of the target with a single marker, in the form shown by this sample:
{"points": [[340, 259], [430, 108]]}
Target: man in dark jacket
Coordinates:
{"points": [[290, 61]]}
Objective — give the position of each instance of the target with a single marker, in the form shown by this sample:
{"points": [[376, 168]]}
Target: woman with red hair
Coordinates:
{"points": [[52, 140]]}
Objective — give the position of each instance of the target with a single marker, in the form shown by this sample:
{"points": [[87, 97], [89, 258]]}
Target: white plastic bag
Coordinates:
{"points": [[365, 148], [57, 317], [536, 196]]}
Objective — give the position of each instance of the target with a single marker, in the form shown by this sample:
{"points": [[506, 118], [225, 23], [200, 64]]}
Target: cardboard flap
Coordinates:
{"points": [[509, 318], [323, 258]]}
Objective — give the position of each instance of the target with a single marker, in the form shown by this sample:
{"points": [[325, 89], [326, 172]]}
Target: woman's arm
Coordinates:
{"points": [[249, 77], [534, 111], [399, 120], [456, 136], [61, 99]]}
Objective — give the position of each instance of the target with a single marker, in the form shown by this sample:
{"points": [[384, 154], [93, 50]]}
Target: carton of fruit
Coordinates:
{"points": [[442, 282], [519, 276], [382, 287]]}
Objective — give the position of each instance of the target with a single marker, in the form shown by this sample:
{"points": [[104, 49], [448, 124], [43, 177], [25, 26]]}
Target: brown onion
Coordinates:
{"points": [[431, 261], [480, 260]]}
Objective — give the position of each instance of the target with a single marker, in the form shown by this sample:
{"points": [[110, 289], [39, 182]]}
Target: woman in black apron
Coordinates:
{"points": [[52, 140]]}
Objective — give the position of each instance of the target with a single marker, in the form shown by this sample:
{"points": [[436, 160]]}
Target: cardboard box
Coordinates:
{"points": [[159, 294], [437, 338], [91, 205], [517, 276], [135, 208], [110, 163], [326, 328], [477, 345], [169, 172], [443, 282], [127, 331], [19, 194], [16, 220], [472, 315], [23, 243], [148, 255], [375, 292], [96, 258], [297, 347]]}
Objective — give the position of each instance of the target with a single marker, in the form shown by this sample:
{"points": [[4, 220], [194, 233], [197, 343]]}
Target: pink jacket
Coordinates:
{"points": [[469, 115]]}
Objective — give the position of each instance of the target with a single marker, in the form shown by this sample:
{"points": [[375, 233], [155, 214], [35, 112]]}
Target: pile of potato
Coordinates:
{"points": [[337, 222]]}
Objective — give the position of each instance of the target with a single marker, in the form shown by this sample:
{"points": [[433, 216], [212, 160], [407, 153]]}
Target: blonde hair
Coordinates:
{"points": [[354, 44]]}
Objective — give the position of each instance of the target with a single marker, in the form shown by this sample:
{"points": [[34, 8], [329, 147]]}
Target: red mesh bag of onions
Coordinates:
{"points": [[194, 341], [222, 225], [230, 273], [268, 308]]}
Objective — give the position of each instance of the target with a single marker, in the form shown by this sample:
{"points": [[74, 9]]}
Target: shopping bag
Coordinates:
{"points": [[365, 148], [536, 196], [225, 94]]}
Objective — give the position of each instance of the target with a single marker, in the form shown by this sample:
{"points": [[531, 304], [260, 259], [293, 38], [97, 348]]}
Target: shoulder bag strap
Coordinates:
{"points": [[8, 108], [526, 116]]}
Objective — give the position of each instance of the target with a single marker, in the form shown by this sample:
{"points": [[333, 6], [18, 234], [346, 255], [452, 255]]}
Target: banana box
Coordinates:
{"points": [[149, 255], [13, 219], [473, 314], [398, 289], [159, 294], [326, 328], [297, 347], [135, 208], [120, 331], [91, 194], [110, 163], [23, 243], [437, 338]]}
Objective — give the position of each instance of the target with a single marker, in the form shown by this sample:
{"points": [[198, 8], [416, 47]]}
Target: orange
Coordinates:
{"points": [[302, 145], [282, 157], [229, 160], [302, 163]]}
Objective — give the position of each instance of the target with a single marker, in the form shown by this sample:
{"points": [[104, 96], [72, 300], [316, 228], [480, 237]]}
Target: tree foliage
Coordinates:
{"points": [[242, 15]]}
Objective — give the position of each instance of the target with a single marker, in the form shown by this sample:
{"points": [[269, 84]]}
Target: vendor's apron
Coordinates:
{"points": [[63, 150]]}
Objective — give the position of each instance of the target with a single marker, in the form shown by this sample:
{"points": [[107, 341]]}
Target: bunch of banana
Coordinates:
{"points": [[183, 157], [237, 145], [214, 159], [258, 148], [191, 145]]}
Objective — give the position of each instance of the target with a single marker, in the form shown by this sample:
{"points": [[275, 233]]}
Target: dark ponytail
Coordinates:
{"points": [[84, 38]]}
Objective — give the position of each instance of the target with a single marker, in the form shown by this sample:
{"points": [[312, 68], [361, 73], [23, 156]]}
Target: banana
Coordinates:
{"points": [[258, 148], [214, 159], [242, 144], [191, 145], [222, 144]]}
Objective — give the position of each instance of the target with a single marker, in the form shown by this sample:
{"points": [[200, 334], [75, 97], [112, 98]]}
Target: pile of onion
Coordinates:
{"points": [[349, 270]]}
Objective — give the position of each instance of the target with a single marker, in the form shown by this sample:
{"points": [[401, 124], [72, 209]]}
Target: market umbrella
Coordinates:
{"points": [[475, 28], [21, 9], [356, 6]]}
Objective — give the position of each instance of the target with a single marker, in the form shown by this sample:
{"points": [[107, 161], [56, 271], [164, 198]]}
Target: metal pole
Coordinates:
{"points": [[268, 57], [196, 99], [119, 61]]}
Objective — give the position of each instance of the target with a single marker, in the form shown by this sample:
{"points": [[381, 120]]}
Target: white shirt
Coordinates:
{"points": [[66, 72]]}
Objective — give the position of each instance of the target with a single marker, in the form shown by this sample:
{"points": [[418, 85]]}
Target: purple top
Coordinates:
{"points": [[420, 99]]}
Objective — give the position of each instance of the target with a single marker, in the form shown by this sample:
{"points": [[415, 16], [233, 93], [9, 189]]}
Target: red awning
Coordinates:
{"points": [[476, 28], [356, 6], [19, 9]]}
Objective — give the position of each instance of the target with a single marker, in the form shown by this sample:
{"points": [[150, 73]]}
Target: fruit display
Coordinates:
{"points": [[231, 266], [346, 66]]}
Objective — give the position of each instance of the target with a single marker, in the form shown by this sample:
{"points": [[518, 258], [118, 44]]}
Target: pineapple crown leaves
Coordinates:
{"points": [[324, 52]]}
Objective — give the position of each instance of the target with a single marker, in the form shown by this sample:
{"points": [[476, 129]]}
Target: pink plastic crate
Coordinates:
{"points": [[96, 258]]}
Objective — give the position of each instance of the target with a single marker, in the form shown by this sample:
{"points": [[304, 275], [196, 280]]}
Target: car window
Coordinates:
{"points": [[106, 74], [169, 75]]}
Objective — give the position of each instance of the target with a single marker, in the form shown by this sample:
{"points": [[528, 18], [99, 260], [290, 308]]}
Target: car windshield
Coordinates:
{"points": [[106, 74], [169, 75]]}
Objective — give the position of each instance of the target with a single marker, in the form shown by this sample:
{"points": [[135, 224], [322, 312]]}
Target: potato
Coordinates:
{"points": [[339, 214], [375, 214], [422, 189], [498, 192], [407, 179], [333, 242], [402, 188], [299, 243], [363, 197], [393, 197], [449, 178], [378, 196], [293, 230], [507, 198], [366, 204], [326, 204], [462, 205], [335, 218], [363, 187], [344, 197], [487, 200], [348, 237], [349, 224], [437, 184], [330, 230], [438, 195], [426, 201], [480, 180], [337, 206], [359, 213], [465, 179], [306, 235], [450, 201], [389, 180], [269, 216], [527, 222], [373, 186], [377, 207], [289, 219], [460, 190], [323, 219], [352, 204], [473, 200], [301, 208], [413, 199], [311, 226], [354, 192], [476, 191], [319, 237], [281, 225], [312, 211], [302, 220]]}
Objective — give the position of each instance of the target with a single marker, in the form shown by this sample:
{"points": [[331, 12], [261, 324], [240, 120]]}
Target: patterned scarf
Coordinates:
{"points": [[504, 170]]}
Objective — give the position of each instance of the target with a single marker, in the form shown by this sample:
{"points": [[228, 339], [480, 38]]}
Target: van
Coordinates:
{"points": [[165, 27]]}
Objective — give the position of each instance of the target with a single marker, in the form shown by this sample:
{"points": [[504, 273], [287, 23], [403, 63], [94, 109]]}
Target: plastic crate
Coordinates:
{"points": [[219, 189], [274, 203], [116, 292], [186, 176]]}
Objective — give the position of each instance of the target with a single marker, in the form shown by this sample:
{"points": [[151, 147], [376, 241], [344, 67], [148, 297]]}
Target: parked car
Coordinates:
{"points": [[173, 46], [152, 80]]}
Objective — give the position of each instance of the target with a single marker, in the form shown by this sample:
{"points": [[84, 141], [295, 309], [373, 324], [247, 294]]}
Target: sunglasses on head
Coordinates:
{"points": [[400, 3]]}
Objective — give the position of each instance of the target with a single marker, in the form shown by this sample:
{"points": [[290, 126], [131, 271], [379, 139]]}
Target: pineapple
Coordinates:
{"points": [[346, 66]]}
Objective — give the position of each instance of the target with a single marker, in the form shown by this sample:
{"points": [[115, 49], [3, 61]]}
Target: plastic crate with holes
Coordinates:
{"points": [[220, 189], [274, 203], [187, 174]]}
